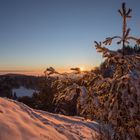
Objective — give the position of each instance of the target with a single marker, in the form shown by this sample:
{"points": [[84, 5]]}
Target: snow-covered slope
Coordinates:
{"points": [[19, 122]]}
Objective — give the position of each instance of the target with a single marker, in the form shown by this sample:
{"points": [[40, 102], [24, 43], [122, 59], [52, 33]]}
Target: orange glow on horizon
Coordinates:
{"points": [[39, 71], [81, 69]]}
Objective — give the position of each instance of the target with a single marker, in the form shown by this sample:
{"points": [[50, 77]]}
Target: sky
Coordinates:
{"points": [[36, 34]]}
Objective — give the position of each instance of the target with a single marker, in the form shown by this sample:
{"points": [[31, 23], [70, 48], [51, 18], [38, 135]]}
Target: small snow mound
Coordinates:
{"points": [[19, 122]]}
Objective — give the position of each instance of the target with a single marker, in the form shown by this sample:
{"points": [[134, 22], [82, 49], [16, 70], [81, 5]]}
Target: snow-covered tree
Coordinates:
{"points": [[119, 98]]}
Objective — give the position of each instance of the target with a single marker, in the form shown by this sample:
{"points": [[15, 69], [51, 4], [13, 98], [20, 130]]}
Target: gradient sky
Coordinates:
{"points": [[36, 34]]}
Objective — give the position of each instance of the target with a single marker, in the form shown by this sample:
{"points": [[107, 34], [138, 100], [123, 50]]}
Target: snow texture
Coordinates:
{"points": [[19, 122]]}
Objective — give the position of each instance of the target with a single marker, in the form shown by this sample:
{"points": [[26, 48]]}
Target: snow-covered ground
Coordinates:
{"points": [[19, 122], [22, 91]]}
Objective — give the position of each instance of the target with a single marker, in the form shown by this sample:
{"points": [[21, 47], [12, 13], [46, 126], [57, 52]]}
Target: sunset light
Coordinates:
{"points": [[81, 69], [69, 69]]}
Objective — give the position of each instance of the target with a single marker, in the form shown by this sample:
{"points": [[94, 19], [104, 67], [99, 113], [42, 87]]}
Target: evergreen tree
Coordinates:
{"points": [[119, 104]]}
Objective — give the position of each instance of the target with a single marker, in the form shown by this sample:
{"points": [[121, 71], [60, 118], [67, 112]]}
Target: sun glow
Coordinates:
{"points": [[81, 69]]}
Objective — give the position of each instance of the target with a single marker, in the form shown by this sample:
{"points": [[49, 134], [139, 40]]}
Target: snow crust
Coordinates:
{"points": [[19, 122]]}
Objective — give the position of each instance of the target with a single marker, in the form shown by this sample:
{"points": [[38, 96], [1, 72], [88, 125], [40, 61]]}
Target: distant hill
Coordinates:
{"points": [[15, 75]]}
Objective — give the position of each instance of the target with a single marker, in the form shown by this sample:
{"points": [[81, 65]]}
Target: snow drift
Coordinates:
{"points": [[19, 122]]}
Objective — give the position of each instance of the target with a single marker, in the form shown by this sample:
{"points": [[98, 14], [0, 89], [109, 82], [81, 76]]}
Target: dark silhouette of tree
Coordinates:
{"points": [[50, 71], [15, 96], [77, 70]]}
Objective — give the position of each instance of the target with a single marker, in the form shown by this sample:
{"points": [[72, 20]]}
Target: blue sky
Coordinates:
{"points": [[35, 34]]}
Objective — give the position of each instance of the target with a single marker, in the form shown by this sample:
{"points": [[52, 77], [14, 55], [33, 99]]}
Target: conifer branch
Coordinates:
{"points": [[109, 40], [125, 38]]}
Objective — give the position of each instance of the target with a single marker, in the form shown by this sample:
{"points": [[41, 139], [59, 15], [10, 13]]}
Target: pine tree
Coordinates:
{"points": [[120, 104]]}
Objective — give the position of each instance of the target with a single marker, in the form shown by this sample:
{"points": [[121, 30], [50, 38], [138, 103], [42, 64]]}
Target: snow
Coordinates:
{"points": [[19, 122], [83, 95], [22, 91]]}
